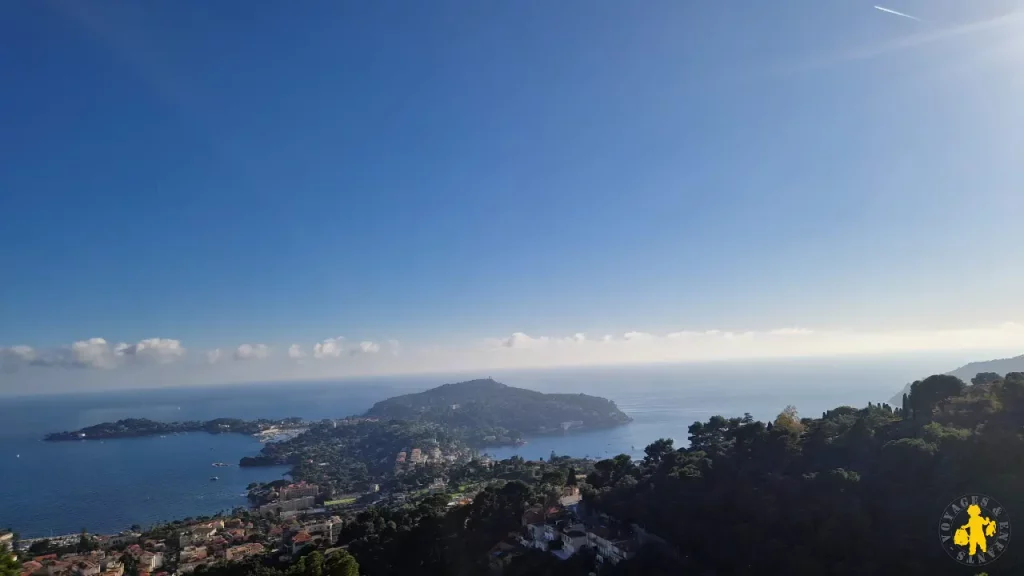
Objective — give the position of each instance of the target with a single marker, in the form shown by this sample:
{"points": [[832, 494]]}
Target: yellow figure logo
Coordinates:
{"points": [[974, 529], [974, 532]]}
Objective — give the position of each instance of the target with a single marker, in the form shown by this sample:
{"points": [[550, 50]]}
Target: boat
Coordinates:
{"points": [[214, 478], [220, 465]]}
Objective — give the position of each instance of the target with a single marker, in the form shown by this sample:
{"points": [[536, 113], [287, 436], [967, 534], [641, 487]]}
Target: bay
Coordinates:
{"points": [[107, 486]]}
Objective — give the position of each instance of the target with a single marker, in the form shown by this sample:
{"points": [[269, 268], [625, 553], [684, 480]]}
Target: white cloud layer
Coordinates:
{"points": [[329, 348], [366, 347], [95, 353], [159, 350], [167, 359], [252, 352]]}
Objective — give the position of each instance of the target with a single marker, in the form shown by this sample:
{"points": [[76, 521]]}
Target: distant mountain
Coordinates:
{"points": [[968, 371], [1000, 366], [897, 400], [487, 404]]}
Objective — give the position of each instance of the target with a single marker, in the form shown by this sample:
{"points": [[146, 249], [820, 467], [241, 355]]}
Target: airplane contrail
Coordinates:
{"points": [[897, 13]]}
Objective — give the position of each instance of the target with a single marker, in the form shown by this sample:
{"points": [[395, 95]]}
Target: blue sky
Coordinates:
{"points": [[451, 172]]}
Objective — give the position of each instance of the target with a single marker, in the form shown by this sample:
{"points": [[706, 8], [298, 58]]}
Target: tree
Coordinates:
{"points": [[341, 563], [933, 392], [41, 547], [131, 566], [789, 420], [314, 565], [86, 543], [657, 450], [986, 378], [9, 565], [554, 477]]}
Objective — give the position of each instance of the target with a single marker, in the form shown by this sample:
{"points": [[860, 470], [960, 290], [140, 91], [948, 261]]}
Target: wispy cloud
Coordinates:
{"points": [[908, 42], [888, 11]]}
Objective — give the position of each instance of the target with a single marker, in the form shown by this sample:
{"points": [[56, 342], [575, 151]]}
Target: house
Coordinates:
{"points": [[574, 538], [611, 546], [299, 490], [189, 567], [149, 561], [113, 566], [86, 568], [202, 533], [192, 553], [281, 507], [328, 528], [30, 567], [570, 496], [300, 541], [243, 551], [53, 566], [122, 539], [217, 545]]}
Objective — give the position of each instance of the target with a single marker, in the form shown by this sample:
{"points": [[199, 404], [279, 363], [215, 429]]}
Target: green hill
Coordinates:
{"points": [[487, 404]]}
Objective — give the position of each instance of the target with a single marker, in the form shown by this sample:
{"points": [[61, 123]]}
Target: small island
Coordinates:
{"points": [[141, 427]]}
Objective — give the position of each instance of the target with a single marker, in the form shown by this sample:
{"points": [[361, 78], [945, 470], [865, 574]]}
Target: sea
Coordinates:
{"points": [[53, 488]]}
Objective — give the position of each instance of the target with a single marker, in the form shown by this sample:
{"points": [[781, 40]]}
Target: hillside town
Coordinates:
{"points": [[363, 488], [297, 518]]}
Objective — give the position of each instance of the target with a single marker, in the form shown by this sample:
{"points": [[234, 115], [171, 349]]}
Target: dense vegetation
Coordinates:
{"points": [[857, 491], [485, 405], [312, 563], [137, 427], [9, 565], [351, 454]]}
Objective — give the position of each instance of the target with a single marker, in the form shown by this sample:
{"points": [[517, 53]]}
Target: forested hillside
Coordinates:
{"points": [[856, 491], [483, 404]]}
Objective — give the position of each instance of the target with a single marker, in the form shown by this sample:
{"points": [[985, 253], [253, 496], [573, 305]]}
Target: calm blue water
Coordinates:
{"points": [[105, 487]]}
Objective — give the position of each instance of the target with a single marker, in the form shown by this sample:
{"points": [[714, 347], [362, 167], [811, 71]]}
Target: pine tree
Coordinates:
{"points": [[9, 565]]}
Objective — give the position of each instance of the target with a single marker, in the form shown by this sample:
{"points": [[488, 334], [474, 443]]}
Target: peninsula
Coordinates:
{"points": [[139, 427], [486, 405], [430, 430]]}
